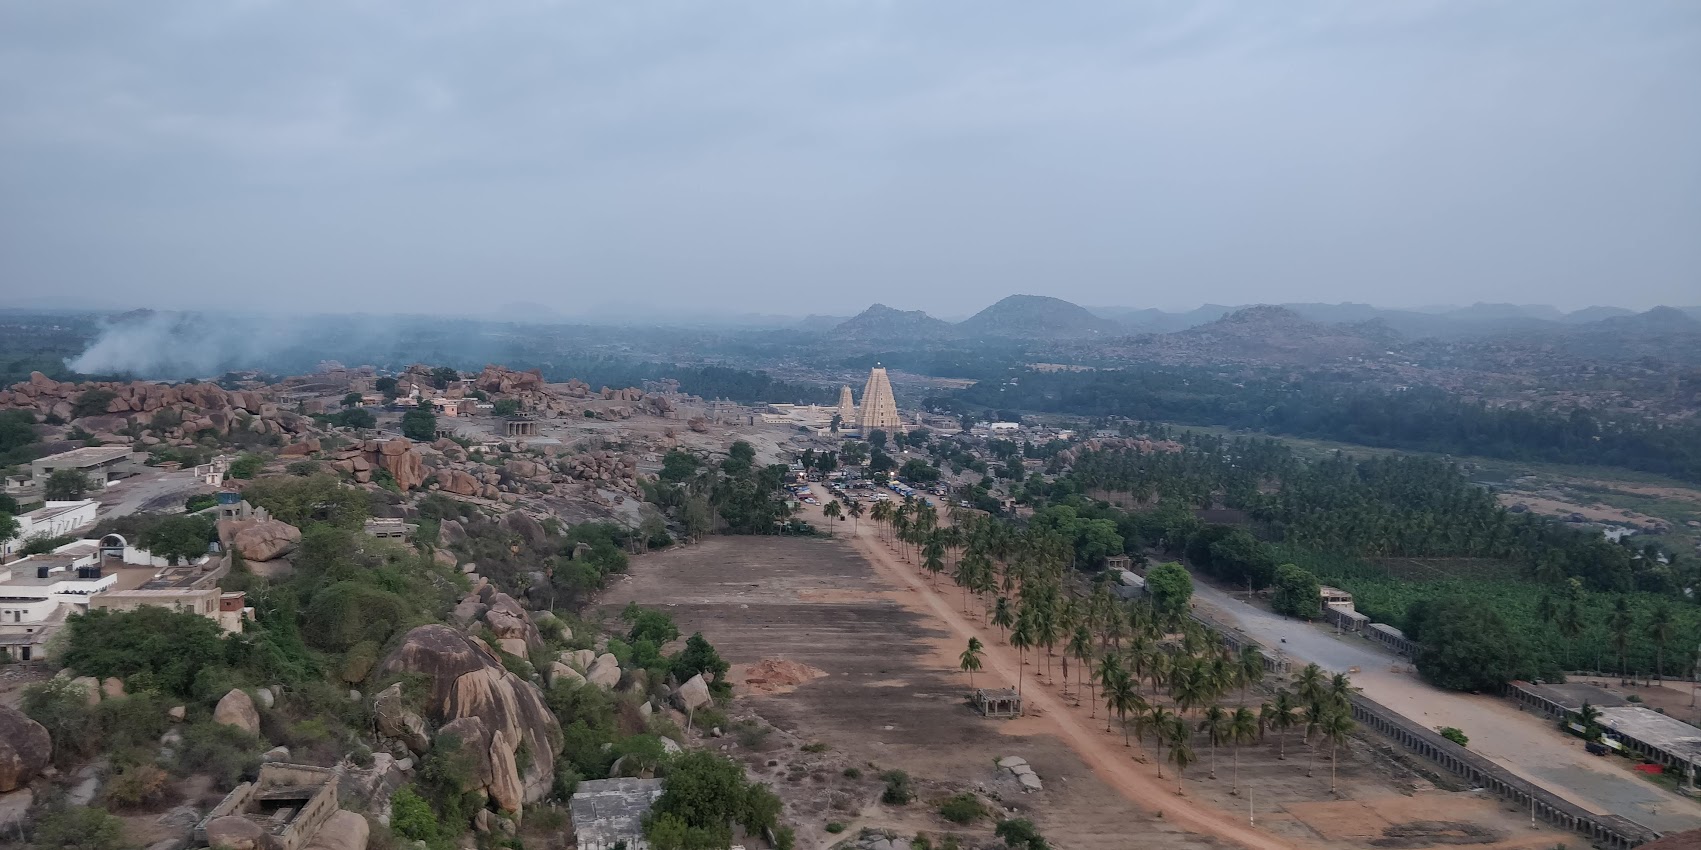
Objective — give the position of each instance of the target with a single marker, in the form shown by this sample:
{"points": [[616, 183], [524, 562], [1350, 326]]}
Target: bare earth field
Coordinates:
{"points": [[891, 697]]}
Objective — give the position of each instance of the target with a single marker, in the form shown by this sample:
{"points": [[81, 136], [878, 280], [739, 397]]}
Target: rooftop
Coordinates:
{"points": [[1572, 696], [1654, 729], [87, 456], [54, 509], [608, 810]]}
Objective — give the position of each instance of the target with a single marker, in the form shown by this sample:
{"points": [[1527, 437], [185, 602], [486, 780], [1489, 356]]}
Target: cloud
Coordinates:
{"points": [[756, 156]]}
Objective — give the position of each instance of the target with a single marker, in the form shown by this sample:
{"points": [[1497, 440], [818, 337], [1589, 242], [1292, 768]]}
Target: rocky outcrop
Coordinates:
{"points": [[173, 413], [237, 709], [604, 672], [259, 539], [468, 681], [343, 830], [396, 720], [558, 673], [501, 380], [25, 749], [692, 695], [397, 456], [235, 833]]}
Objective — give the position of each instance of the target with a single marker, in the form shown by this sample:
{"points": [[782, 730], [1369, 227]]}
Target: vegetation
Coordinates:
{"points": [[66, 485], [735, 496], [180, 537], [419, 425], [703, 796], [1453, 734], [964, 808]]}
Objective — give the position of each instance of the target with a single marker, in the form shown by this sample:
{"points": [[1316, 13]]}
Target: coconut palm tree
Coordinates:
{"points": [[1336, 726], [1180, 750], [1244, 728], [1216, 726], [1081, 649], [1110, 669], [832, 511], [855, 509], [1619, 624], [1161, 721], [1022, 638], [1001, 616], [1661, 628], [1250, 670], [970, 659], [1123, 698], [1309, 683], [1281, 715]]}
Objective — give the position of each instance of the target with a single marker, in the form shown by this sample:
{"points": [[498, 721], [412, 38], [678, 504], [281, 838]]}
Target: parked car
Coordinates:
{"points": [[1596, 748]]}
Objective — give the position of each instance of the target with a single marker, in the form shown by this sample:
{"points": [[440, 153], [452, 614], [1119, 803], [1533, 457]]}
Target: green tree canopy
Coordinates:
{"points": [[1170, 586], [92, 403], [419, 425], [66, 485], [1297, 592], [171, 647], [304, 501], [180, 537], [1464, 644]]}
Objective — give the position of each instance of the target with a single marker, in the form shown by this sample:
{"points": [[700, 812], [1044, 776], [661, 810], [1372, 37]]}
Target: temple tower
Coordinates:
{"points": [[879, 409], [847, 409]]}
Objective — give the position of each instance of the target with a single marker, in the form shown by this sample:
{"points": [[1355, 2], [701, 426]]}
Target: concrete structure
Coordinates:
{"points": [[55, 519], [610, 812], [1611, 831], [520, 428], [100, 463], [37, 593], [998, 702], [1390, 637], [847, 409], [879, 408], [289, 802], [1647, 733], [1328, 596], [1345, 619], [390, 528]]}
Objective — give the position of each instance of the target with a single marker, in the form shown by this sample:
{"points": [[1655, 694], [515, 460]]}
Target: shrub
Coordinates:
{"points": [[171, 647], [852, 773], [247, 466], [199, 502], [785, 838], [411, 817], [92, 403], [815, 747], [1020, 833], [140, 785], [964, 808], [1454, 735], [224, 753], [898, 791], [80, 827], [835, 827]]}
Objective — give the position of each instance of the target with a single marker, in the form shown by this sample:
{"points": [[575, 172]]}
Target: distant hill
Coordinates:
{"points": [[1272, 334], [881, 323], [1037, 317], [1594, 314]]}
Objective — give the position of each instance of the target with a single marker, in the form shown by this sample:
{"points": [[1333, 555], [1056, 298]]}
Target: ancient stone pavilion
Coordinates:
{"points": [[998, 702], [879, 409]]}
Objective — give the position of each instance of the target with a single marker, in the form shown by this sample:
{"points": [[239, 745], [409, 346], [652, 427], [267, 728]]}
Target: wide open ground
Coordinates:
{"points": [[892, 698]]}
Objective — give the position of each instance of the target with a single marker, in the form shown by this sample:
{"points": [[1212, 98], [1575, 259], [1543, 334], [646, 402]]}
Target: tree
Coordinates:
{"points": [[832, 511], [970, 659], [1463, 644], [247, 466], [171, 647], [1180, 750], [79, 828], [704, 793], [1661, 628], [419, 424], [387, 386], [1619, 624], [876, 438], [181, 537], [66, 485], [1170, 586], [92, 403], [1217, 725], [1281, 715], [351, 400], [1296, 593], [1336, 727], [506, 407], [1244, 728], [919, 471]]}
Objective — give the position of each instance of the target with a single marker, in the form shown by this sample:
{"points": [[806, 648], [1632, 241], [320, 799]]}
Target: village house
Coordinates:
{"points": [[99, 464], [54, 519]]}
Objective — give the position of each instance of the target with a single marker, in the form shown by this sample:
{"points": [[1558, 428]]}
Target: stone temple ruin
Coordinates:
{"points": [[998, 702], [609, 813], [283, 808]]}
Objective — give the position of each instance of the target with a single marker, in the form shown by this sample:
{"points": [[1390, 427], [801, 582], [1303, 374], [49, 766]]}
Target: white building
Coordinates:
{"points": [[55, 519], [37, 594]]}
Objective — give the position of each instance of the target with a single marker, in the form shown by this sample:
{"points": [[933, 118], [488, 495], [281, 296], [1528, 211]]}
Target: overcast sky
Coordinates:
{"points": [[798, 157]]}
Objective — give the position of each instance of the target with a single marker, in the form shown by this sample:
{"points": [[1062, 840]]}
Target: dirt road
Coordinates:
{"points": [[1103, 752]]}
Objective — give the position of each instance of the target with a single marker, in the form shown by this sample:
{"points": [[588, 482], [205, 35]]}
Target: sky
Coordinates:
{"points": [[797, 158]]}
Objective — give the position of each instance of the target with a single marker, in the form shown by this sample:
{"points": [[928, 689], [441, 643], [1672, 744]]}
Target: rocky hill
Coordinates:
{"points": [[1271, 335], [881, 323], [1037, 317]]}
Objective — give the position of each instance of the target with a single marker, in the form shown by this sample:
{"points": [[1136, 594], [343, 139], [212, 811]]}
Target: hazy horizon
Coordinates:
{"points": [[745, 158]]}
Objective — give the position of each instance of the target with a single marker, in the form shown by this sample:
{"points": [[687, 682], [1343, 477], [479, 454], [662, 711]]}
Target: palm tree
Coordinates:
{"points": [[1340, 690], [1660, 629], [855, 510], [832, 511], [1218, 730], [1122, 696], [1001, 616], [1281, 716], [1160, 722], [1619, 624], [1251, 669], [1309, 683], [970, 659], [1110, 669], [1022, 638], [1180, 750], [1336, 727], [1081, 649], [1316, 715], [1244, 728]]}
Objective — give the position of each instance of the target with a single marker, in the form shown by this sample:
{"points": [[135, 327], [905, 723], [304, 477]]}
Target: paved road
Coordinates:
{"points": [[1523, 743]]}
